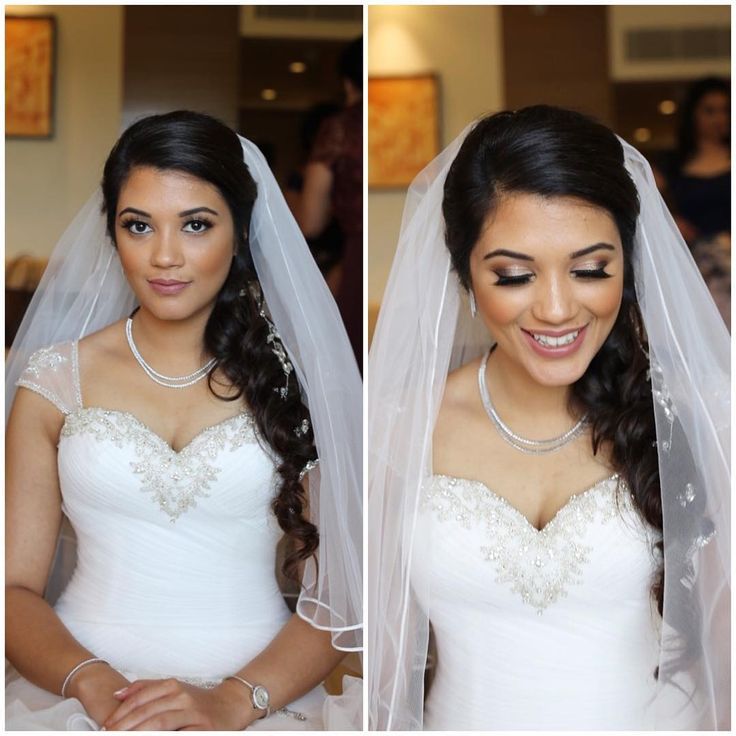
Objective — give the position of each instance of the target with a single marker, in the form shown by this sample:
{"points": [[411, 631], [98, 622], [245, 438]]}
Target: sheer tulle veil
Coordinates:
{"points": [[424, 331], [84, 289]]}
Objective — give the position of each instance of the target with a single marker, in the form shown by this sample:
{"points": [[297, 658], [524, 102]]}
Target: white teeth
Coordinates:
{"points": [[556, 342]]}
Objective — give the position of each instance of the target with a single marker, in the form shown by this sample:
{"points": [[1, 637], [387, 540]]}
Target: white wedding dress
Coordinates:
{"points": [[536, 630], [175, 573]]}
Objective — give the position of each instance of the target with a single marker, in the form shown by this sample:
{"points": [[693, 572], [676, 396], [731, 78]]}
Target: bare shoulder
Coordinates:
{"points": [[105, 344], [461, 389], [459, 402], [461, 425]]}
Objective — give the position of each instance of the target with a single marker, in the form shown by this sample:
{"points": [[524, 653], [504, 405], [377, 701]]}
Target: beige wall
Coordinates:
{"points": [[47, 181], [462, 45]]}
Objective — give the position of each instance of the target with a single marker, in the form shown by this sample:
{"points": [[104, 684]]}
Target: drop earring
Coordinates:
{"points": [[473, 306]]}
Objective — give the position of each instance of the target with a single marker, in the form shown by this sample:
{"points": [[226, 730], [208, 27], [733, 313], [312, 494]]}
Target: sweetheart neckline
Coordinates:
{"points": [[201, 433], [571, 501]]}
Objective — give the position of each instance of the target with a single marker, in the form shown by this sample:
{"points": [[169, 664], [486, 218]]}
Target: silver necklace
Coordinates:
{"points": [[160, 378], [530, 447]]}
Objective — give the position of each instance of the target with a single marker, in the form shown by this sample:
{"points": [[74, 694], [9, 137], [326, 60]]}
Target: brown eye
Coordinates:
{"points": [[136, 227], [197, 226]]}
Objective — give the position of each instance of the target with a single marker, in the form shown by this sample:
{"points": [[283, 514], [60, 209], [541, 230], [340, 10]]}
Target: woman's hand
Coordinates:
{"points": [[95, 687], [171, 705]]}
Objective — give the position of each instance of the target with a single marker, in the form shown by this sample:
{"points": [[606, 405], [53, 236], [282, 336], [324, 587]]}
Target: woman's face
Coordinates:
{"points": [[712, 116], [547, 274], [176, 239]]}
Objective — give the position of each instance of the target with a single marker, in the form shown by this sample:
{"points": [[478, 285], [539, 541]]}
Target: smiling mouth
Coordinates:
{"points": [[555, 341]]}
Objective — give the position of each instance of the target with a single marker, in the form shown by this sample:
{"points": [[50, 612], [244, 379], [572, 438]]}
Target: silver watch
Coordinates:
{"points": [[259, 696]]}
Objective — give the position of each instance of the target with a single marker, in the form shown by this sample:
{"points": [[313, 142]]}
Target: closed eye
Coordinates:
{"points": [[513, 280], [592, 273]]}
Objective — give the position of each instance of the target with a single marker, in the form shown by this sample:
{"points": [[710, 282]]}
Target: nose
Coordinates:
{"points": [[555, 301], [166, 251]]}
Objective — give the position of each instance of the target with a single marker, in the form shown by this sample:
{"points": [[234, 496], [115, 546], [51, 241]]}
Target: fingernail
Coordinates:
{"points": [[121, 691]]}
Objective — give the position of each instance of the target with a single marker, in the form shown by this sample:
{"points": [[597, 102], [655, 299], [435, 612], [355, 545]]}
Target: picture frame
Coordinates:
{"points": [[30, 61], [404, 127]]}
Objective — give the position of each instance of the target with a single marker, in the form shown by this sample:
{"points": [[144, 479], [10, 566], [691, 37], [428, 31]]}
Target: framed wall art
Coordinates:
{"points": [[29, 76], [404, 127]]}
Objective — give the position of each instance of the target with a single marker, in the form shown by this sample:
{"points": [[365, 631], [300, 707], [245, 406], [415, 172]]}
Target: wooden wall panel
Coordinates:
{"points": [[181, 56], [557, 55]]}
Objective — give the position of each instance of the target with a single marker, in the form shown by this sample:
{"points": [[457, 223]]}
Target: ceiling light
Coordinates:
{"points": [[268, 94], [297, 67], [667, 107], [642, 135]]}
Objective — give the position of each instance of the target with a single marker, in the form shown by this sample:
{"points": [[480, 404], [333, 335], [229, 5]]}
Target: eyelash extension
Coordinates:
{"points": [[592, 273], [597, 273], [512, 280]]}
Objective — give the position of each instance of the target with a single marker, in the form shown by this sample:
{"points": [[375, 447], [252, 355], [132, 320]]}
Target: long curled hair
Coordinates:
{"points": [[237, 332], [553, 152]]}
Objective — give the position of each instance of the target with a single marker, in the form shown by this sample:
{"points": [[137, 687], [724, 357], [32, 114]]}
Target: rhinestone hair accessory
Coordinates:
{"points": [[277, 348]]}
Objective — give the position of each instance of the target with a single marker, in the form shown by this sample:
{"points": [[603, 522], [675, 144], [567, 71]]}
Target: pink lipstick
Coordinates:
{"points": [[168, 287], [555, 343]]}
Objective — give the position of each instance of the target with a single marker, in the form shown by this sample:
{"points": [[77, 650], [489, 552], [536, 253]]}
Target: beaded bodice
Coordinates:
{"points": [[176, 551], [511, 604]]}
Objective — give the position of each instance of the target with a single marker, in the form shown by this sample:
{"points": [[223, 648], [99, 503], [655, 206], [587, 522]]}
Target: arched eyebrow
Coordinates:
{"points": [[185, 213], [524, 257]]}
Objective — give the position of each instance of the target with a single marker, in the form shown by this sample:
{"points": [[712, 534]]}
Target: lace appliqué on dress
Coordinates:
{"points": [[41, 375], [539, 565], [175, 480]]}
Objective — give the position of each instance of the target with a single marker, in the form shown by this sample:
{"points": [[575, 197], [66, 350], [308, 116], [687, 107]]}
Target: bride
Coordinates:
{"points": [[549, 463], [182, 442]]}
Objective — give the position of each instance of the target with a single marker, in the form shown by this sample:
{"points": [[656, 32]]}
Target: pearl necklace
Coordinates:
{"points": [[159, 378], [530, 447]]}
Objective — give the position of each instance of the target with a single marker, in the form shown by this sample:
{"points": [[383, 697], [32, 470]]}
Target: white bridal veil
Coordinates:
{"points": [[84, 289], [423, 333]]}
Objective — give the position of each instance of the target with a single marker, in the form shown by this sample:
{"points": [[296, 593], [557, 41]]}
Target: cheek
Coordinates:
{"points": [[608, 300], [213, 259], [499, 305], [130, 258]]}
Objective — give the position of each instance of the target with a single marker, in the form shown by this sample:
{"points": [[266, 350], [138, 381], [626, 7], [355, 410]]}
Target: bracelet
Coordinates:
{"points": [[83, 663]]}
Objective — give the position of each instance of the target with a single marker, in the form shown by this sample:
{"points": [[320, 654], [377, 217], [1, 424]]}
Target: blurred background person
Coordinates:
{"points": [[696, 180], [333, 182], [327, 246]]}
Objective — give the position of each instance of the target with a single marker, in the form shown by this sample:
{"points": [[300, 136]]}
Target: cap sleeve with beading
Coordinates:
{"points": [[52, 373]]}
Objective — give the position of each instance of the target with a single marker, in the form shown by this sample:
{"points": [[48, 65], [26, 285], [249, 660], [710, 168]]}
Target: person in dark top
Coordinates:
{"points": [[333, 182], [698, 174], [697, 184]]}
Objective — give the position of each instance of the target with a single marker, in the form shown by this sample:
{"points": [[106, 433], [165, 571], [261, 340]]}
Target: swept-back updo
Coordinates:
{"points": [[552, 152], [236, 333]]}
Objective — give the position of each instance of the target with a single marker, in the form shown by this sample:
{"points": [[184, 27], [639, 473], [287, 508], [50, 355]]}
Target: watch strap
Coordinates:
{"points": [[267, 710]]}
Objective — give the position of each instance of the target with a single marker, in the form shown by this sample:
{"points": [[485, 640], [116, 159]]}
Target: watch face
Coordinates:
{"points": [[260, 697]]}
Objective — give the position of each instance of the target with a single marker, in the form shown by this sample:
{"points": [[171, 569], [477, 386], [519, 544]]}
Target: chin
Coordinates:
{"points": [[169, 312], [559, 375]]}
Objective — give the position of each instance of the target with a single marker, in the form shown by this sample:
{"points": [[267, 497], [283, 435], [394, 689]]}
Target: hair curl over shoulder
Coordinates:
{"points": [[236, 333]]}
